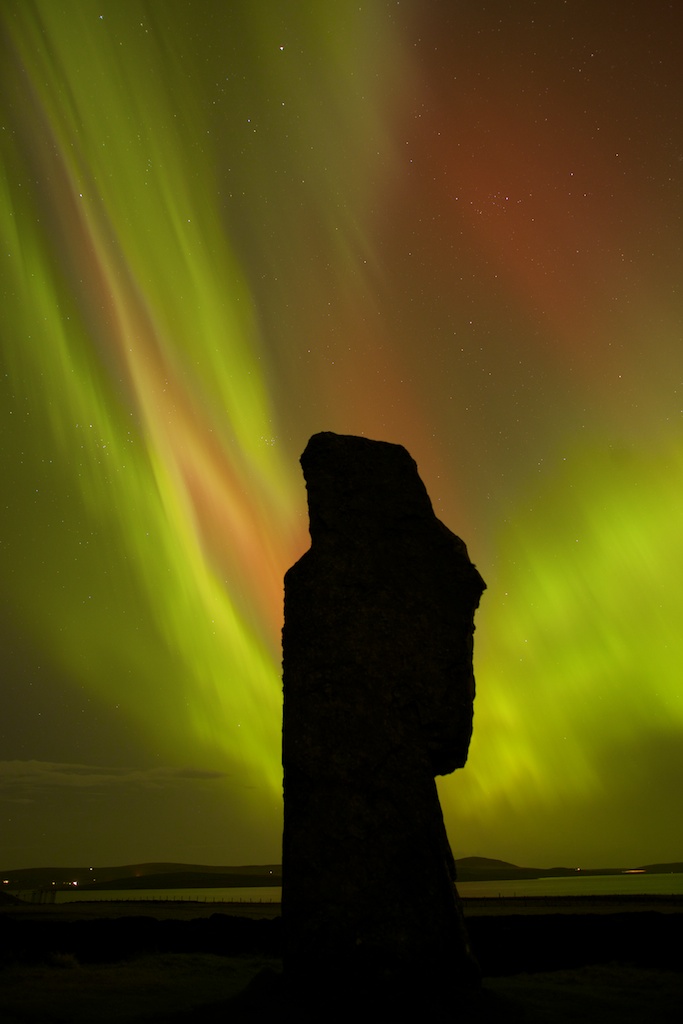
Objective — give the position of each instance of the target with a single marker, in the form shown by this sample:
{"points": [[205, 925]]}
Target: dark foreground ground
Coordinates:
{"points": [[556, 961]]}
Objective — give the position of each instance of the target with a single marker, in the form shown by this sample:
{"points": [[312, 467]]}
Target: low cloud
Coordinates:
{"points": [[17, 778]]}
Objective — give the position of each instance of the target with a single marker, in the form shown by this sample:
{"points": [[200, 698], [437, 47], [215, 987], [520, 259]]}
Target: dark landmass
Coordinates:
{"points": [[506, 943], [145, 876], [186, 876], [484, 869], [556, 961]]}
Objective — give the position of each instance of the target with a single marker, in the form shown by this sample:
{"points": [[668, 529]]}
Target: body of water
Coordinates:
{"points": [[243, 894], [574, 885]]}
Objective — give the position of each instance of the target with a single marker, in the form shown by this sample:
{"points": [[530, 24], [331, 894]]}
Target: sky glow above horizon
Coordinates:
{"points": [[226, 227]]}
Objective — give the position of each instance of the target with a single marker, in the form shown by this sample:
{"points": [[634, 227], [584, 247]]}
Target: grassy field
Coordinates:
{"points": [[149, 988], [180, 988], [124, 970]]}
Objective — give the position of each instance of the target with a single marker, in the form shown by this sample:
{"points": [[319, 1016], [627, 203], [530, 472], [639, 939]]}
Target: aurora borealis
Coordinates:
{"points": [[227, 226]]}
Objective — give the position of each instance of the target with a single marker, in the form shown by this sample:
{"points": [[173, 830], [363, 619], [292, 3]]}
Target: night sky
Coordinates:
{"points": [[229, 225]]}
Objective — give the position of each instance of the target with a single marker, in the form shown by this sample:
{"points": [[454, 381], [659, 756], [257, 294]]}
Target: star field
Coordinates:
{"points": [[227, 227]]}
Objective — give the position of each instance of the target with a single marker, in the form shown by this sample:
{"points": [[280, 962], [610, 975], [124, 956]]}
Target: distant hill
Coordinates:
{"points": [[203, 876], [484, 869], [485, 863]]}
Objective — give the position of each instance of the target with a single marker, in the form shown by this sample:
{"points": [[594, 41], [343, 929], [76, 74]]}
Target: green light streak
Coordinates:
{"points": [[140, 350], [579, 644], [165, 209]]}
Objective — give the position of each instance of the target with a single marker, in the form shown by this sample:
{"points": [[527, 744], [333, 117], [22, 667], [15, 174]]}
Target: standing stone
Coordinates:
{"points": [[378, 694]]}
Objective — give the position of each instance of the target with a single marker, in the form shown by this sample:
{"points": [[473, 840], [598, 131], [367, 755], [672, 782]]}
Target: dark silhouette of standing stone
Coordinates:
{"points": [[378, 692]]}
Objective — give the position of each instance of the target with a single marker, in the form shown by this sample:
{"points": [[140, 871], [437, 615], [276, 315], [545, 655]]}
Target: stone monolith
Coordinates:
{"points": [[378, 696]]}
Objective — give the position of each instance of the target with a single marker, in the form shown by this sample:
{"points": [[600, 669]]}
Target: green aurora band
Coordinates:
{"points": [[194, 200]]}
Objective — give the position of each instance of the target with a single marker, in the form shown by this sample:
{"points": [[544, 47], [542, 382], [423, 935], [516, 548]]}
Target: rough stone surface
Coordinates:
{"points": [[378, 694]]}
